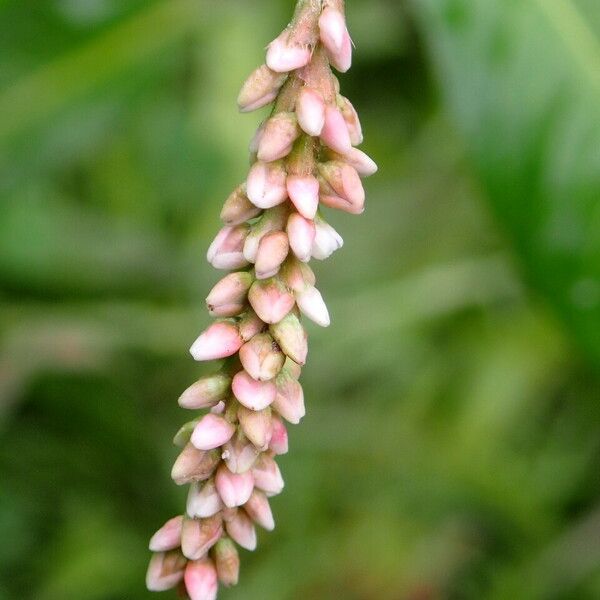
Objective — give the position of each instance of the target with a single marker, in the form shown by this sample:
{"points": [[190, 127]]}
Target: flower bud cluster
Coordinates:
{"points": [[303, 156]]}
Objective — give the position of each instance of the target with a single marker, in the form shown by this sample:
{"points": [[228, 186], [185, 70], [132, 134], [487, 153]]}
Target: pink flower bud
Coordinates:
{"points": [[219, 409], [260, 89], [220, 340], [211, 432], [239, 454], [234, 488], [227, 562], [261, 357], [270, 299], [311, 303], [259, 510], [165, 571], [289, 402], [272, 251], [273, 219], [237, 208], [226, 251], [241, 530], [201, 580], [253, 394], [279, 134], [297, 275], [310, 110], [203, 501], [198, 536], [365, 166], [228, 296], [335, 133], [352, 121], [342, 187], [327, 240], [335, 38], [267, 476], [250, 324], [206, 392], [279, 437], [256, 425], [284, 54], [265, 185], [291, 337], [303, 191], [301, 233], [168, 537], [194, 465]]}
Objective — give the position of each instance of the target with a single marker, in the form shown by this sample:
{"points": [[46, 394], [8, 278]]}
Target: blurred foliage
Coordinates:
{"points": [[452, 440]]}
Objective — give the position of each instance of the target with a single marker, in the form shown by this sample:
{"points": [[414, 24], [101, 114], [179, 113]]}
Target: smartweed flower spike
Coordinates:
{"points": [[303, 156]]}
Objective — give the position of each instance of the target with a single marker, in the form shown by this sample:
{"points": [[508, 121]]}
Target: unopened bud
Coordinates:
{"points": [[365, 166], [335, 133], [310, 109], [165, 571], [301, 233], [334, 36], [198, 536], [220, 340], [168, 537], [256, 425], [265, 185], [250, 324], [270, 299], [303, 191], [285, 54], [227, 562], [259, 510], [260, 89], [183, 435], [239, 454], [291, 337], [211, 432], [241, 530], [352, 121], [228, 296], [279, 437], [273, 219], [201, 580], [272, 251], [206, 392], [311, 303], [267, 476], [203, 500], [253, 394], [279, 134], [237, 208], [226, 251], [327, 240], [289, 402], [194, 465], [292, 368], [234, 488], [261, 357], [348, 192], [297, 275]]}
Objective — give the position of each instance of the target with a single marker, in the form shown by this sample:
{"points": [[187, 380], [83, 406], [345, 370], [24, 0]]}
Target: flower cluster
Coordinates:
{"points": [[303, 155]]}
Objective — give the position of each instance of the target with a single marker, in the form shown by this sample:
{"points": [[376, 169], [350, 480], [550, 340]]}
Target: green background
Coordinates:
{"points": [[452, 439]]}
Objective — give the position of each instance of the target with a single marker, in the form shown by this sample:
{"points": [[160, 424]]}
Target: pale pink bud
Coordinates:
{"points": [[310, 110], [211, 432], [250, 324], [352, 121], [256, 425], [237, 208], [259, 510], [234, 488], [241, 530], [228, 296], [273, 219], [327, 240], [303, 191], [265, 185], [348, 193], [301, 233], [270, 299], [297, 275], [165, 571], [365, 166], [239, 454], [194, 465], [206, 392], [218, 409], [253, 394], [220, 340], [226, 251], [335, 38], [272, 251], [279, 134], [203, 500], [262, 357], [267, 476], [227, 562], [260, 88], [284, 54], [168, 537], [198, 536], [279, 437], [201, 580], [311, 303], [291, 337], [289, 402], [335, 133]]}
